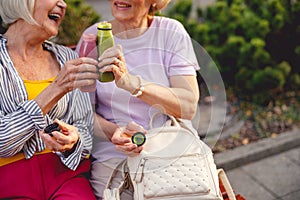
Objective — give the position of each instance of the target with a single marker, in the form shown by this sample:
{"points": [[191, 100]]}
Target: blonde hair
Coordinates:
{"points": [[13, 10], [158, 6]]}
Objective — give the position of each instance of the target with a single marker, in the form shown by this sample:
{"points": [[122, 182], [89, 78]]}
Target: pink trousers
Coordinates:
{"points": [[44, 177]]}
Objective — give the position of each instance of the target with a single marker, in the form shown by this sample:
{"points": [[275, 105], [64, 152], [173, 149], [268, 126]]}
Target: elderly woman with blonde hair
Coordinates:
{"points": [[154, 66]]}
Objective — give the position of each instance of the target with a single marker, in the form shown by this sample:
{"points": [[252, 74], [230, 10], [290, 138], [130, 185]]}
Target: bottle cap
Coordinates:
{"points": [[104, 26], [138, 138], [89, 37]]}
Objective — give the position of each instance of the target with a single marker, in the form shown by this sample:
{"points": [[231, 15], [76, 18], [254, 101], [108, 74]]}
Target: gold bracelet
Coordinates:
{"points": [[140, 90]]}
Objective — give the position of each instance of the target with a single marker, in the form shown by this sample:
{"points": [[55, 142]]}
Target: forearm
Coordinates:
{"points": [[82, 118], [179, 100], [103, 128], [49, 97]]}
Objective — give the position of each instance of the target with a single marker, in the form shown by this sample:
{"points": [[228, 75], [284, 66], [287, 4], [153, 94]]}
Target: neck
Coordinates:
{"points": [[22, 41]]}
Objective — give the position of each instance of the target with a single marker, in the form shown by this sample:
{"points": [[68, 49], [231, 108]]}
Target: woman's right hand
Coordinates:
{"points": [[77, 73], [63, 140]]}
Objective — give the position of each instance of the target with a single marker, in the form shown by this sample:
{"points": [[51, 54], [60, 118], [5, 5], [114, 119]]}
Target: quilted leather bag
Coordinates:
{"points": [[175, 164]]}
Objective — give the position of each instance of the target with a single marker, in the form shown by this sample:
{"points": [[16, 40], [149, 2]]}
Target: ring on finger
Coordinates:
{"points": [[117, 61]]}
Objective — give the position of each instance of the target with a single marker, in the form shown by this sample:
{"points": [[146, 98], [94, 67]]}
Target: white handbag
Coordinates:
{"points": [[175, 164]]}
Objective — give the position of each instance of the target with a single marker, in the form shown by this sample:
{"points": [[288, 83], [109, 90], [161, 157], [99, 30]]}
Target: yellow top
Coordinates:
{"points": [[33, 89]]}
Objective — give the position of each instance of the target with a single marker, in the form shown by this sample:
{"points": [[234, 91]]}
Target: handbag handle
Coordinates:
{"points": [[173, 121], [222, 175]]}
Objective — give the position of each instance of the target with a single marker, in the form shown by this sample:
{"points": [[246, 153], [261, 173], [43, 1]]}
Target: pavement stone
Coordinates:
{"points": [[244, 184], [265, 170], [294, 155], [274, 178], [274, 174], [293, 196]]}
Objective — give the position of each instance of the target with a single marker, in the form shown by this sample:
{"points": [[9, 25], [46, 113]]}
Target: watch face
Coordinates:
{"points": [[138, 138]]}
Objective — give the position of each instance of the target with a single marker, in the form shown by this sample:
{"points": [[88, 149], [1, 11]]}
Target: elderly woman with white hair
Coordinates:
{"points": [[40, 84]]}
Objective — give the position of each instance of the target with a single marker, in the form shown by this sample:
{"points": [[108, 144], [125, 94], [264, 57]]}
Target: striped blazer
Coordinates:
{"points": [[22, 119]]}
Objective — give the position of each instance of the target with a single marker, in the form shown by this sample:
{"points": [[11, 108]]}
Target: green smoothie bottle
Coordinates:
{"points": [[105, 40]]}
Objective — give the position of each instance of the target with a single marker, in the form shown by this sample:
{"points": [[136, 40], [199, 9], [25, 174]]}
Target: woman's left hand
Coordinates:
{"points": [[61, 141], [113, 60]]}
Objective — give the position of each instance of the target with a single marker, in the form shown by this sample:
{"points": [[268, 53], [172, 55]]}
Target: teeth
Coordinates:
{"points": [[54, 16], [123, 5]]}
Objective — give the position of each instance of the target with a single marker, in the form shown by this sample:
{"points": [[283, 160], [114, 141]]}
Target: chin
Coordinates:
{"points": [[122, 18], [52, 34]]}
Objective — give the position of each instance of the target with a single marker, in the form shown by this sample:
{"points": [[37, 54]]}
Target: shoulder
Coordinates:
{"points": [[168, 23], [63, 52]]}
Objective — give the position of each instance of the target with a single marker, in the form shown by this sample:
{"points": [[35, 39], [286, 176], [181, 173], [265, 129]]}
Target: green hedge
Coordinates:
{"points": [[255, 43]]}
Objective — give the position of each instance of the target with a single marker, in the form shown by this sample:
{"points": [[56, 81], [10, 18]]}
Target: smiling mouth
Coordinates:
{"points": [[122, 5], [54, 17]]}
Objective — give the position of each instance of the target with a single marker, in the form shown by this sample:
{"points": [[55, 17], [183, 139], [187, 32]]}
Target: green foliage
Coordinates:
{"points": [[183, 8], [268, 77], [255, 43], [285, 68], [295, 81], [78, 17]]}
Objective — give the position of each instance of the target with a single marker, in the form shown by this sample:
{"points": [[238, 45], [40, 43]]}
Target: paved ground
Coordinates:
{"points": [[265, 170], [268, 169]]}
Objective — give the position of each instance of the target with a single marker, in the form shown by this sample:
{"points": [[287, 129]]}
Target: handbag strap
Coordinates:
{"points": [[124, 184]]}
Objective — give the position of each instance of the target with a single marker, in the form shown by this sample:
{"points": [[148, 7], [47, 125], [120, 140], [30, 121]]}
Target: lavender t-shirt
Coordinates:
{"points": [[164, 50]]}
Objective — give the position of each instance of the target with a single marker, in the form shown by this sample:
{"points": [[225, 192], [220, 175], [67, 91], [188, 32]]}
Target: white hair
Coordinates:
{"points": [[13, 10]]}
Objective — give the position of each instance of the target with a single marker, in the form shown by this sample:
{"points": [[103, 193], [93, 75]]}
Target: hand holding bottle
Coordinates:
{"points": [[77, 73], [113, 60]]}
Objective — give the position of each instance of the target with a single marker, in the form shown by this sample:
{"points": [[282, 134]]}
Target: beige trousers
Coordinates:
{"points": [[100, 175]]}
